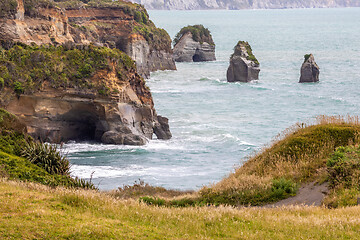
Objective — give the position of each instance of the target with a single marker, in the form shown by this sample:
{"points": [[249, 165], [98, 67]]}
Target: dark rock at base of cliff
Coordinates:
{"points": [[244, 67], [161, 128], [309, 70], [112, 137], [188, 50]]}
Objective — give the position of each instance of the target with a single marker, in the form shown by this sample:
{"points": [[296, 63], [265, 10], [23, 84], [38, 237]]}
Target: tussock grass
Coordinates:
{"points": [[297, 155], [30, 211]]}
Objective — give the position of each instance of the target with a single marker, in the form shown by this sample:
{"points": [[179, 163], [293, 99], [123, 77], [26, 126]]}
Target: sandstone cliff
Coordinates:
{"points": [[194, 44], [78, 93], [244, 66], [244, 4], [116, 24]]}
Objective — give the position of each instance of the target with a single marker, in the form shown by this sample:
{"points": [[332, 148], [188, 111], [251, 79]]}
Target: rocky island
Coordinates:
{"points": [[244, 66], [194, 44], [309, 70], [63, 74]]}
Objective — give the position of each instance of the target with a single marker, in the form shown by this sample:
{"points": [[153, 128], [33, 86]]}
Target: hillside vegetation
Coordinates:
{"points": [[63, 210], [26, 69], [32, 211]]}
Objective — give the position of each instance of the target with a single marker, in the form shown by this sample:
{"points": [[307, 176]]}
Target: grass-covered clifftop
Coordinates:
{"points": [[199, 34], [26, 69], [300, 155]]}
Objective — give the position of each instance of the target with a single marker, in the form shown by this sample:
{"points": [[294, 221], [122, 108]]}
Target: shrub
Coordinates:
{"points": [[18, 88], [306, 57], [251, 56], [46, 156], [2, 83], [152, 201], [8, 8]]}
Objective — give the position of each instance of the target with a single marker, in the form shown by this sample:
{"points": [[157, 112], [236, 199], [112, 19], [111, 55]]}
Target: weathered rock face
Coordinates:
{"points": [[244, 67], [309, 70], [188, 50], [58, 116], [110, 104], [101, 26]]}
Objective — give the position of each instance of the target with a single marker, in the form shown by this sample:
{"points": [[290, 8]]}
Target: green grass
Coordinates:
{"points": [[26, 68], [31, 211], [300, 155]]}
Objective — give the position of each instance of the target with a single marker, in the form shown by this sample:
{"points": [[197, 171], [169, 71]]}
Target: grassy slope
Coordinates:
{"points": [[300, 155], [31, 211]]}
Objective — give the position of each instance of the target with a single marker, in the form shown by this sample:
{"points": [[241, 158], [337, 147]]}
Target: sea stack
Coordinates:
{"points": [[244, 66], [309, 70], [194, 44]]}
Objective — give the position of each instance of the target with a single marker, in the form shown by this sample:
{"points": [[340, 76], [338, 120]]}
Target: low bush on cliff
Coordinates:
{"points": [[199, 34], [8, 8], [24, 159], [343, 169], [26, 69], [251, 56]]}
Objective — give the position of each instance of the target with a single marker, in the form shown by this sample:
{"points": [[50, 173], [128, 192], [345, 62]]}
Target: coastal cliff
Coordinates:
{"points": [[244, 4], [63, 75], [83, 93], [118, 24]]}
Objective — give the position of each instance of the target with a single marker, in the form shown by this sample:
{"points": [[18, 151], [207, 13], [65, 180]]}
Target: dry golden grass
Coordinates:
{"points": [[33, 211], [299, 154]]}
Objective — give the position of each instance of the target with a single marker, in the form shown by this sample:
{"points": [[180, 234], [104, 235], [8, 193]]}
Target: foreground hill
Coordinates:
{"points": [[244, 4], [31, 211]]}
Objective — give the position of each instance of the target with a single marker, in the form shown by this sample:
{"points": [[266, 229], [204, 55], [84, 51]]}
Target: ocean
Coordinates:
{"points": [[216, 125]]}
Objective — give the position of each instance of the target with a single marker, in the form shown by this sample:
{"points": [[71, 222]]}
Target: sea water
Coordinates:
{"points": [[215, 124]]}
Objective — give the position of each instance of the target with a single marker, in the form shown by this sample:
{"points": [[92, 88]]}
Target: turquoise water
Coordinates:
{"points": [[216, 124]]}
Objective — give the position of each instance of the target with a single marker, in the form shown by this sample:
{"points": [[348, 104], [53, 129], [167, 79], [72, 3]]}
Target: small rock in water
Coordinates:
{"points": [[244, 66], [309, 70]]}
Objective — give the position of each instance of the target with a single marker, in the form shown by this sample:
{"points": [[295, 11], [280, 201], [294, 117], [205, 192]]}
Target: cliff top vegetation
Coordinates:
{"points": [[27, 69], [199, 34], [237, 51]]}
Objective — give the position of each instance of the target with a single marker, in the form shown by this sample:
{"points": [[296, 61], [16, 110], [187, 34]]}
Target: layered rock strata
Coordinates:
{"points": [[188, 50], [309, 70], [91, 94], [243, 67], [118, 25]]}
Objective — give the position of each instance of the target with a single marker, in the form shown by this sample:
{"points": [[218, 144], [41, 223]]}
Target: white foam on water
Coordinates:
{"points": [[86, 171]]}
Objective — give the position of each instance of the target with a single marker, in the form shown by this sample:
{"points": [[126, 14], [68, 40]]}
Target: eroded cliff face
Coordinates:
{"points": [[108, 26], [94, 93]]}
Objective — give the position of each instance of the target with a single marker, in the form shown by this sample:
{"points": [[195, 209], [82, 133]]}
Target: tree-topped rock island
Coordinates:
{"points": [[244, 66], [309, 70], [194, 44]]}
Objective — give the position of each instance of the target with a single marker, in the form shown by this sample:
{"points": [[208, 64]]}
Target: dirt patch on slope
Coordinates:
{"points": [[310, 194]]}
